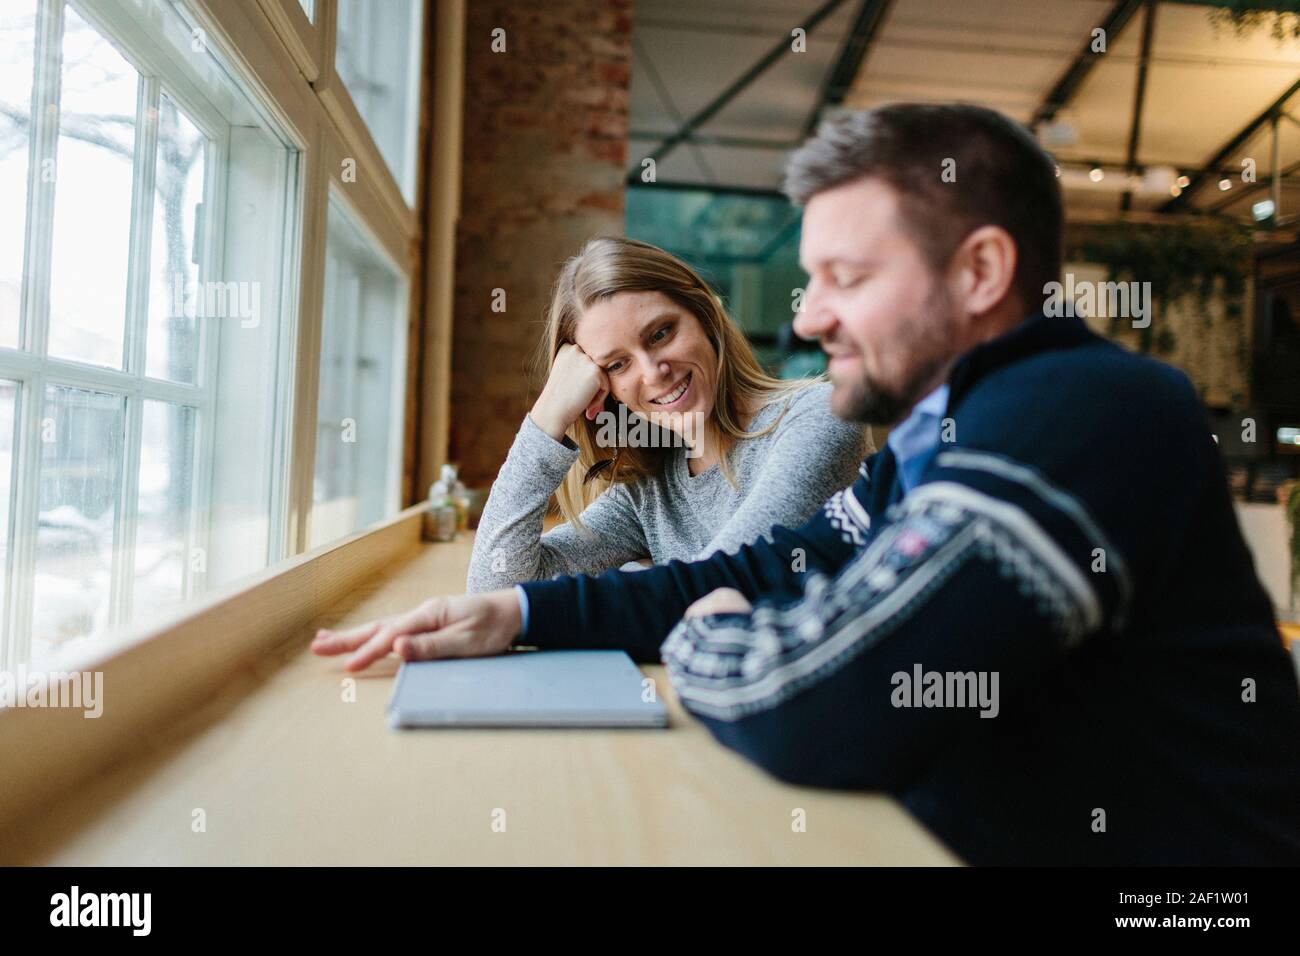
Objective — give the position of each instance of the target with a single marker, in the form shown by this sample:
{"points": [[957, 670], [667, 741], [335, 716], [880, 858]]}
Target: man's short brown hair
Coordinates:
{"points": [[1000, 176]]}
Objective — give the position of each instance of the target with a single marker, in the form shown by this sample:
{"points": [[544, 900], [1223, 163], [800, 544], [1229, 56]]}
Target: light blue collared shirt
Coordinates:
{"points": [[523, 609], [914, 440]]}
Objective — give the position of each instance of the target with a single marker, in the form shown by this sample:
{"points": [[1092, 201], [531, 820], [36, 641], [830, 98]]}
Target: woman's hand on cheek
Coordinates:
{"points": [[575, 386], [598, 403]]}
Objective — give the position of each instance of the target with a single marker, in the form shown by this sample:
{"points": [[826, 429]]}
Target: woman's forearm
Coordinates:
{"points": [[508, 545]]}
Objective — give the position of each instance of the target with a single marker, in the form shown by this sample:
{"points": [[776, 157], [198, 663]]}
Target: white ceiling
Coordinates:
{"points": [[1204, 85]]}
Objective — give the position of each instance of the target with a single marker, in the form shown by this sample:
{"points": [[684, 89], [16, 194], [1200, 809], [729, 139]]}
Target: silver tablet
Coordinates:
{"points": [[526, 689]]}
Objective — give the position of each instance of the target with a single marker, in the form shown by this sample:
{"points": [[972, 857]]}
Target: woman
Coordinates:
{"points": [[657, 430]]}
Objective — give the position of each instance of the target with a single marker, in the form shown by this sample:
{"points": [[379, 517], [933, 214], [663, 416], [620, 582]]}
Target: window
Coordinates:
{"points": [[362, 379], [142, 335], [377, 57], [17, 68], [190, 224], [93, 172]]}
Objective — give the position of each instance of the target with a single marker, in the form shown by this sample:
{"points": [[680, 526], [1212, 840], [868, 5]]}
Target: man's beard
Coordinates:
{"points": [[928, 343]]}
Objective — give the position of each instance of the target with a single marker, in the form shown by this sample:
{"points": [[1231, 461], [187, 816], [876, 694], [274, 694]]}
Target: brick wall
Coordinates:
{"points": [[545, 141]]}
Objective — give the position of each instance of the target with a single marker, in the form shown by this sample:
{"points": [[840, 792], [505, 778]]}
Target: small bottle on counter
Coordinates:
{"points": [[442, 519], [459, 496]]}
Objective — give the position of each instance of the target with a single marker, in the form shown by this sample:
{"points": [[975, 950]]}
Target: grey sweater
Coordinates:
{"points": [[782, 478]]}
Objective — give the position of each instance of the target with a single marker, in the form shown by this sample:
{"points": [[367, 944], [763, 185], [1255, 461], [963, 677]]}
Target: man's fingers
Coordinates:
{"points": [[329, 641], [412, 622], [449, 642], [469, 626], [720, 601], [373, 649]]}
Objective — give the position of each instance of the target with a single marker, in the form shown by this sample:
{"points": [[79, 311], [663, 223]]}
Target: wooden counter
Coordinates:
{"points": [[284, 769]]}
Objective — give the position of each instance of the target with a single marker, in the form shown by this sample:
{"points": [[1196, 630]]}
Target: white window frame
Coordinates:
{"points": [[324, 128], [329, 134], [352, 128], [302, 35], [34, 369], [398, 358]]}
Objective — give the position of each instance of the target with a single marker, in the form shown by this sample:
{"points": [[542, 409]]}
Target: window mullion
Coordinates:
{"points": [[26, 516], [142, 200], [397, 357], [351, 367], [42, 175], [302, 219], [137, 334], [123, 577], [34, 334], [211, 267]]}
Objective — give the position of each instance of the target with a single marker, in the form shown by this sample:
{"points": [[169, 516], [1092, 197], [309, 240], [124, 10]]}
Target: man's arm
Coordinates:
{"points": [[634, 611], [973, 574]]}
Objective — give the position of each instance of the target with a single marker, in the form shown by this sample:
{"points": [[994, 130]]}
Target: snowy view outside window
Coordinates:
{"points": [[109, 423]]}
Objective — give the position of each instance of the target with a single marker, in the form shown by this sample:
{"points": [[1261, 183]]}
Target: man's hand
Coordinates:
{"points": [[468, 625], [721, 601]]}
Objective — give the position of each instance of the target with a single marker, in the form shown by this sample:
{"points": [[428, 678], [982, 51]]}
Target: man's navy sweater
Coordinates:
{"points": [[1077, 539]]}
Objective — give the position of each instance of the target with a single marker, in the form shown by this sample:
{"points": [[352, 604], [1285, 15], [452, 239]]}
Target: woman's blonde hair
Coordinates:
{"points": [[605, 267]]}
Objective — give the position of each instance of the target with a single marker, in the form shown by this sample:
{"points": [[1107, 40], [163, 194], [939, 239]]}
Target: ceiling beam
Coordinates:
{"points": [[1065, 88], [666, 100], [1139, 99], [1229, 148], [711, 109], [839, 80]]}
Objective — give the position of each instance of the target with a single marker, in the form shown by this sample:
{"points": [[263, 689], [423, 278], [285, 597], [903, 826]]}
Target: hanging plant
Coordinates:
{"points": [[1185, 259], [1243, 17]]}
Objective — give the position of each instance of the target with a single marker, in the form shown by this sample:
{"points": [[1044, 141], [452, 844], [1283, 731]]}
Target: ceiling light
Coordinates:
{"points": [[1263, 209], [1183, 182], [1096, 174], [1225, 184]]}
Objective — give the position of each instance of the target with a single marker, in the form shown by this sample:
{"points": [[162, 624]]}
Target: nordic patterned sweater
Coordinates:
{"points": [[1073, 536]]}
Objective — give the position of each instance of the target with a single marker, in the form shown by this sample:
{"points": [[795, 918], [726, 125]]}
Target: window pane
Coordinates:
{"points": [[8, 399], [377, 58], [166, 496], [17, 66], [172, 347], [121, 529], [81, 447], [92, 198], [362, 372], [309, 8]]}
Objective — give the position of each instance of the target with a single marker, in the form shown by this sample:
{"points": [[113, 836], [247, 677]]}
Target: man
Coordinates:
{"points": [[1033, 617]]}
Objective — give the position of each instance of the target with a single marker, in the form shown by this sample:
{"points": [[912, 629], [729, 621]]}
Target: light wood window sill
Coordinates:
{"points": [[229, 714]]}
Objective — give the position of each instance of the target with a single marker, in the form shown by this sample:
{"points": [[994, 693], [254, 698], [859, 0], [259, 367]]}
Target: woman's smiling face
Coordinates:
{"points": [[659, 362]]}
